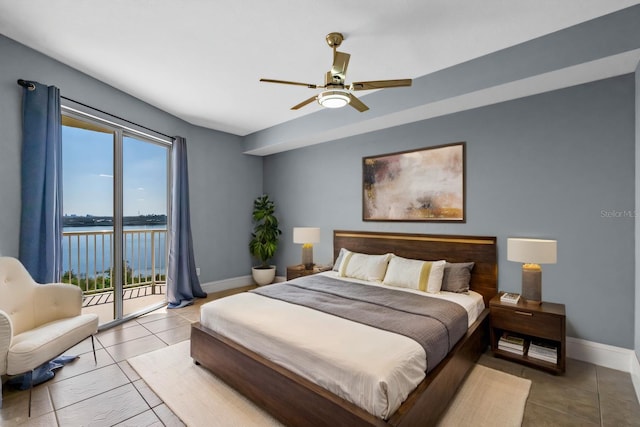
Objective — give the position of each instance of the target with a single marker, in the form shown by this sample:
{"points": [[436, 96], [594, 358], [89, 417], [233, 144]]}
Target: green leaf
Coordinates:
{"points": [[264, 239]]}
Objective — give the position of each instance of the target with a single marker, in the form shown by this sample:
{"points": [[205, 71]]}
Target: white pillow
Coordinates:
{"points": [[425, 276], [336, 265], [363, 266]]}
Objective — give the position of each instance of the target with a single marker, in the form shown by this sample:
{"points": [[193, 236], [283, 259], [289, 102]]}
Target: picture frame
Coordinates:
{"points": [[426, 184]]}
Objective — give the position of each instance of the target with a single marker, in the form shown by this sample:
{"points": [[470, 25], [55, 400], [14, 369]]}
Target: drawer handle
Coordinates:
{"points": [[523, 313]]}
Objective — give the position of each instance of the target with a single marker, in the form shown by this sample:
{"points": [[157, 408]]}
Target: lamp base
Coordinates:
{"points": [[532, 284], [307, 257]]}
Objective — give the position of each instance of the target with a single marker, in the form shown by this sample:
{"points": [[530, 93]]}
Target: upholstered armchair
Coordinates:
{"points": [[37, 322]]}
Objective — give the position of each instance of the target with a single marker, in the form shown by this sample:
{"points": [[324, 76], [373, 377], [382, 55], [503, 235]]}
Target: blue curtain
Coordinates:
{"points": [[183, 284], [41, 218]]}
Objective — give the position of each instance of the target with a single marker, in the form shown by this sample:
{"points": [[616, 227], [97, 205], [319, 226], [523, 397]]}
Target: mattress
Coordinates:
{"points": [[369, 367]]}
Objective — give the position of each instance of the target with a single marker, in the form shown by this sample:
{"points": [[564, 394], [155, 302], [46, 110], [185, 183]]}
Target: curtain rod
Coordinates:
{"points": [[31, 86]]}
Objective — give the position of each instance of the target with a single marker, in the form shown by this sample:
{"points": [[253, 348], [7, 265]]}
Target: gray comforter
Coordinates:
{"points": [[435, 324]]}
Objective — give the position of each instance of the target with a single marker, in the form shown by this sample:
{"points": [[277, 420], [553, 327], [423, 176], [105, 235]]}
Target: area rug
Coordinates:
{"points": [[487, 397]]}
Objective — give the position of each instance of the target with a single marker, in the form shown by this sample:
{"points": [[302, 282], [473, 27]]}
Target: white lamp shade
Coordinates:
{"points": [[306, 235], [533, 251]]}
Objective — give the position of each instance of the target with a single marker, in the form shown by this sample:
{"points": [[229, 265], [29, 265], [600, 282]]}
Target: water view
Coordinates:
{"points": [[100, 161], [87, 251]]}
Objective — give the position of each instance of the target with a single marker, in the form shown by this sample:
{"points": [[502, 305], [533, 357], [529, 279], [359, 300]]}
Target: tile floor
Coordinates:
{"points": [[586, 395], [112, 394]]}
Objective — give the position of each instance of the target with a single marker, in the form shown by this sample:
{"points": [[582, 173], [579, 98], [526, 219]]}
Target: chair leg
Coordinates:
{"points": [[93, 344], [30, 390]]}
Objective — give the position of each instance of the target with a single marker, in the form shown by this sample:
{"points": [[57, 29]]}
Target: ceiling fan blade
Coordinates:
{"points": [[340, 64], [357, 104], [303, 103], [285, 82], [380, 84]]}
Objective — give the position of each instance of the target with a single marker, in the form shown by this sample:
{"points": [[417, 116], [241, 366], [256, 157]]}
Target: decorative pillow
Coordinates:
{"points": [[425, 276], [457, 277], [363, 266], [336, 265]]}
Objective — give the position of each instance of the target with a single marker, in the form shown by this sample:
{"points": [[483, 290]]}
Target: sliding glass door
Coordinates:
{"points": [[115, 186], [144, 206]]}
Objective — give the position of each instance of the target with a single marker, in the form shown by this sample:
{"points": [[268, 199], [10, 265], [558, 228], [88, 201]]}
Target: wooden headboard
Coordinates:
{"points": [[482, 250]]}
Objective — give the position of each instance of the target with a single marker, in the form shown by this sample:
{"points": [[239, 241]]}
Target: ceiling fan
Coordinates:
{"points": [[337, 93]]}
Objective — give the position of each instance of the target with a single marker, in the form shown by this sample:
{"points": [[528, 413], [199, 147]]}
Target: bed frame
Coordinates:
{"points": [[295, 401]]}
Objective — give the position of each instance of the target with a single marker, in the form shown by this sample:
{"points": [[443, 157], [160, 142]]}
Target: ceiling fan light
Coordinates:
{"points": [[334, 98]]}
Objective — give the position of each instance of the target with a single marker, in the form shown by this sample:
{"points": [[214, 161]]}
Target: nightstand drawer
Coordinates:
{"points": [[541, 325]]}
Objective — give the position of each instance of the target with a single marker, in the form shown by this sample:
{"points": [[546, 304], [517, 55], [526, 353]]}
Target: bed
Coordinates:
{"points": [[296, 400]]}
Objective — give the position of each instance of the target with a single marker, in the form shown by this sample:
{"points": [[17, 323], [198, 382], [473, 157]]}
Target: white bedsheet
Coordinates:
{"points": [[372, 368]]}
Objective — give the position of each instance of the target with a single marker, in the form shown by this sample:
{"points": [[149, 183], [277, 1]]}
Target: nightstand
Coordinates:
{"points": [[295, 271], [544, 323]]}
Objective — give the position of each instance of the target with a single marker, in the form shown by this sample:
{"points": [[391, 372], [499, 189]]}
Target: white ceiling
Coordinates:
{"points": [[202, 60]]}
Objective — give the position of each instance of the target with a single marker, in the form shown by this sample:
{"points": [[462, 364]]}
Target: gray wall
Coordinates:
{"points": [[547, 166], [542, 166], [223, 181], [637, 211]]}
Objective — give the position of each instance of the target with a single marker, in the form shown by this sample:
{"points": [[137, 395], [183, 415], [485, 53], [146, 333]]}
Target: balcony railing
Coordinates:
{"points": [[88, 260]]}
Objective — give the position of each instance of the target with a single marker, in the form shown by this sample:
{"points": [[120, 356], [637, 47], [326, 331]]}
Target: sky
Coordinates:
{"points": [[87, 163]]}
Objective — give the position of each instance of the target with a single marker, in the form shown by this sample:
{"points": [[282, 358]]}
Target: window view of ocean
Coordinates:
{"points": [[91, 149], [86, 250]]}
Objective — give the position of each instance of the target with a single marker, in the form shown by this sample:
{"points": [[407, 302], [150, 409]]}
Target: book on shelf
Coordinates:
{"points": [[543, 351], [535, 352], [512, 343], [512, 339], [550, 359], [544, 346], [511, 350], [510, 297], [503, 346]]}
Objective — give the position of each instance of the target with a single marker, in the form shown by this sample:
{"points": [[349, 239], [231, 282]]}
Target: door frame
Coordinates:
{"points": [[120, 131]]}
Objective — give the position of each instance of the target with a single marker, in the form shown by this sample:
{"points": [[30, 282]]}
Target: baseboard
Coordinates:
{"points": [[234, 282], [226, 284], [605, 355], [635, 375]]}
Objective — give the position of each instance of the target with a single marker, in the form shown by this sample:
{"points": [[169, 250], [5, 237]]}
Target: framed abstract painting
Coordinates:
{"points": [[427, 184]]}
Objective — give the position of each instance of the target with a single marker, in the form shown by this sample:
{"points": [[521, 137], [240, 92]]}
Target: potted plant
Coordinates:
{"points": [[264, 239]]}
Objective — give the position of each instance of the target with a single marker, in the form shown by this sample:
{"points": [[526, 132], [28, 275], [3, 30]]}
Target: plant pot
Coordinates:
{"points": [[263, 276]]}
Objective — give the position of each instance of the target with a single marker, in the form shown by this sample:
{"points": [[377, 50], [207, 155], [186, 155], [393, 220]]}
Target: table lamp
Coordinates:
{"points": [[307, 236], [532, 253]]}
